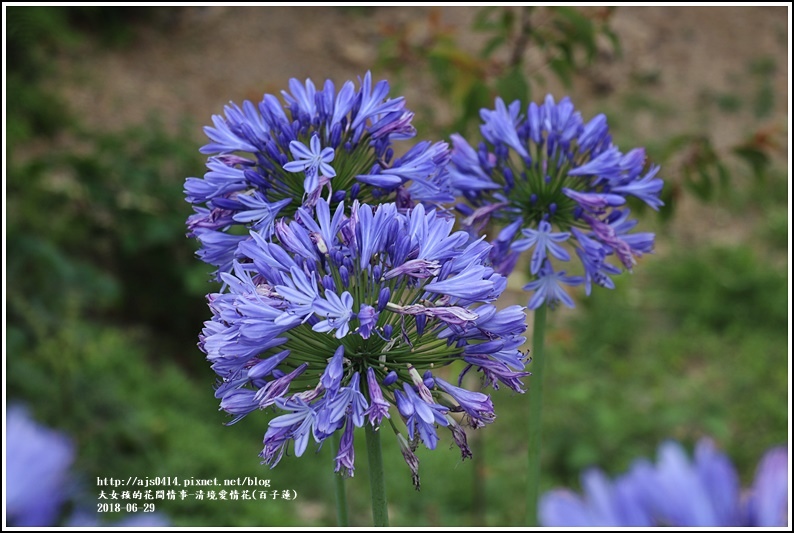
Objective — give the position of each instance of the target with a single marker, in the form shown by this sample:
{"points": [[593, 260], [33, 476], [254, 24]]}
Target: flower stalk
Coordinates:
{"points": [[380, 512], [342, 519], [535, 415]]}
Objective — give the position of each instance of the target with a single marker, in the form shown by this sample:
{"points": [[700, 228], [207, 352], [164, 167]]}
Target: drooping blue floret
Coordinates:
{"points": [[543, 176], [547, 288]]}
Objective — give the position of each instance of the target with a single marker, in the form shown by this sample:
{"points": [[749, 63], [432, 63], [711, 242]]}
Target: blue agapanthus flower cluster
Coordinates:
{"points": [[268, 159], [556, 185], [339, 318], [676, 492]]}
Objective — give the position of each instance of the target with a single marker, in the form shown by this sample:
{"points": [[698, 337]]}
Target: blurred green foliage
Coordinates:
{"points": [[694, 347], [105, 300], [523, 45], [101, 225], [561, 39]]}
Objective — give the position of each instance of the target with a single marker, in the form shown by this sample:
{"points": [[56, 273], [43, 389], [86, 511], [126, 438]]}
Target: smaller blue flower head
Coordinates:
{"points": [[554, 183]]}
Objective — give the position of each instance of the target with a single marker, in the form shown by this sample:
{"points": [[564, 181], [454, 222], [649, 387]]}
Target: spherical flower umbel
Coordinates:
{"points": [[267, 160], [555, 184], [676, 492], [340, 321]]}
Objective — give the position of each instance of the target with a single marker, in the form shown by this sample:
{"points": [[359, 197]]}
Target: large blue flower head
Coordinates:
{"points": [[341, 320], [557, 185], [267, 160], [676, 492]]}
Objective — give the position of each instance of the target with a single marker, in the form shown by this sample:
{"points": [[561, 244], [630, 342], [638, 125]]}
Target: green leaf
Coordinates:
{"points": [[676, 143], [756, 158], [723, 175], [492, 44], [563, 70], [476, 98], [763, 66], [578, 28], [764, 100], [699, 182], [614, 40], [508, 20], [482, 21], [512, 85], [668, 197]]}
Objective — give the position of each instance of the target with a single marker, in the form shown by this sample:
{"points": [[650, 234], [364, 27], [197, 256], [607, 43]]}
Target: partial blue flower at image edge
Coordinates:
{"points": [[676, 492]]}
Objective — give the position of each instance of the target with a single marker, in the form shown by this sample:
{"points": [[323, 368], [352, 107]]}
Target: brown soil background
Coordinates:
{"points": [[191, 61]]}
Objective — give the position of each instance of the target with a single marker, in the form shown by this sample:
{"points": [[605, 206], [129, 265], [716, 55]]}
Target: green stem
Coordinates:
{"points": [[535, 410], [339, 486], [380, 514]]}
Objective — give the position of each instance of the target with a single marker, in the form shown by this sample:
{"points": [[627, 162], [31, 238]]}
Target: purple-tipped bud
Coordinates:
{"points": [[256, 178], [266, 366], [328, 283], [476, 405], [346, 456], [332, 377], [336, 135], [278, 387], [427, 379], [387, 331], [354, 190], [239, 402], [464, 209], [383, 299], [421, 320], [390, 378], [378, 407], [367, 318], [344, 273]]}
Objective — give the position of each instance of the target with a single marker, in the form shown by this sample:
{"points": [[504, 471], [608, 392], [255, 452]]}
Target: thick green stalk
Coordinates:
{"points": [[339, 486], [535, 411], [380, 513]]}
